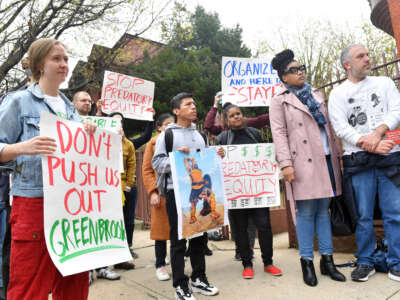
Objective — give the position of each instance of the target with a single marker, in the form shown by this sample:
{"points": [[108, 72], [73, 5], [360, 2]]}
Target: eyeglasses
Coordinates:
{"points": [[295, 70]]}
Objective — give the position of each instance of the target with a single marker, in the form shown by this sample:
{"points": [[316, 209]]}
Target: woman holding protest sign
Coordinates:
{"points": [[239, 133], [159, 229], [215, 128], [309, 157], [32, 273]]}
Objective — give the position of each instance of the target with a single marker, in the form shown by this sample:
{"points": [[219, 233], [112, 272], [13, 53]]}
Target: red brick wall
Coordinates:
{"points": [[394, 10]]}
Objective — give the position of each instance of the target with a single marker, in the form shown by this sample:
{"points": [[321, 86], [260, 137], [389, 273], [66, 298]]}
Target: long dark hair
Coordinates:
{"points": [[161, 118], [226, 107]]}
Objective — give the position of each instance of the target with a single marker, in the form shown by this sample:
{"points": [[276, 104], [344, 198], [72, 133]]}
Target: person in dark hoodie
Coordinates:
{"points": [[216, 128]]}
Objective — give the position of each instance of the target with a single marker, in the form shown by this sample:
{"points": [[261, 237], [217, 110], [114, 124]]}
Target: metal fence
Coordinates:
{"points": [[388, 67]]}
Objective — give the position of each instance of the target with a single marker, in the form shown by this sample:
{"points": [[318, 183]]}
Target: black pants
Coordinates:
{"points": [[178, 248], [251, 231], [129, 214], [160, 248], [262, 221]]}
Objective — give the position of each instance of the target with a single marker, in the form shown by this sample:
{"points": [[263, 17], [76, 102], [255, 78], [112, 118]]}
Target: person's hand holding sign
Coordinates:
{"points": [[184, 149], [37, 145], [33, 146], [221, 152], [89, 126], [99, 104]]}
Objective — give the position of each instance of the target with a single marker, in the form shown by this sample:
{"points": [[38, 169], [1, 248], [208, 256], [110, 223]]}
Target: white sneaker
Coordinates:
{"points": [[203, 287], [107, 273], [162, 274], [167, 260], [183, 293]]}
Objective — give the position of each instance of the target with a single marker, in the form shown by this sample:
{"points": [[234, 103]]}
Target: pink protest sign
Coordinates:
{"points": [[131, 96], [248, 81]]}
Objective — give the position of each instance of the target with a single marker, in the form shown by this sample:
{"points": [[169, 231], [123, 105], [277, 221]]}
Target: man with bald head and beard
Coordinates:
{"points": [[82, 102], [362, 109]]}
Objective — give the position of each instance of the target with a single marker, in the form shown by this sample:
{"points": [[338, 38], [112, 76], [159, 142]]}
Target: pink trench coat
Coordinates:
{"points": [[298, 143]]}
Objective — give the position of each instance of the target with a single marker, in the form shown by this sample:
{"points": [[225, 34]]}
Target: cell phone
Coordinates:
{"points": [[219, 94]]}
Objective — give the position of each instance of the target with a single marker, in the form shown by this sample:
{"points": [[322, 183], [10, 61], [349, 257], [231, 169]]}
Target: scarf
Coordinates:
{"points": [[305, 96]]}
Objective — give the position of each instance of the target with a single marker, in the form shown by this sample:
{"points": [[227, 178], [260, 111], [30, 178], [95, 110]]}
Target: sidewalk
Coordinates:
{"points": [[225, 273]]}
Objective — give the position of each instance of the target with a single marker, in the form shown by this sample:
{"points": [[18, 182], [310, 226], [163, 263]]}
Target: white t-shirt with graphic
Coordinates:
{"points": [[57, 104], [357, 109]]}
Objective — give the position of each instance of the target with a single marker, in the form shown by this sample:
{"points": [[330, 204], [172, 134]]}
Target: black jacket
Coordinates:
{"points": [[363, 161], [226, 137]]}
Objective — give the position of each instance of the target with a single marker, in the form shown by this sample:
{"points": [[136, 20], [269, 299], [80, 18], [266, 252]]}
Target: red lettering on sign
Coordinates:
{"points": [[61, 137]]}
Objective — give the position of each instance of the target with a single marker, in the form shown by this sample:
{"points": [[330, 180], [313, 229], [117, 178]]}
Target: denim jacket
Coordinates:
{"points": [[19, 121]]}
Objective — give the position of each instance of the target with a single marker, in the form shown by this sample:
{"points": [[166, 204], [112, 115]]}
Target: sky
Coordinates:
{"points": [[261, 19]]}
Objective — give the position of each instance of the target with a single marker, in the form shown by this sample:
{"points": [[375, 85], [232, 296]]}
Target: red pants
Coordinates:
{"points": [[32, 273]]}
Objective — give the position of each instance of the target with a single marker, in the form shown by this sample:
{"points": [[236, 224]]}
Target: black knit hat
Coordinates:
{"points": [[120, 114], [281, 60]]}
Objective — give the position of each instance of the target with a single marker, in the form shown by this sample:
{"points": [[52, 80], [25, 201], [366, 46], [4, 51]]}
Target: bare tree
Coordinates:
{"points": [[318, 45], [24, 21]]}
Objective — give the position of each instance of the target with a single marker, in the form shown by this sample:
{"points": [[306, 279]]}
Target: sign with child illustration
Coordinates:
{"points": [[248, 81], [200, 200], [131, 96], [83, 222], [251, 176]]}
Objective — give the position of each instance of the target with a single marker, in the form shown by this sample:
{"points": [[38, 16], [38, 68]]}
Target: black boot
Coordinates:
{"points": [[309, 277], [328, 268]]}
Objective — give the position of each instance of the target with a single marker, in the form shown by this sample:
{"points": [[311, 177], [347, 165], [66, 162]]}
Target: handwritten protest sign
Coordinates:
{"points": [[107, 123], [84, 226], [200, 200], [110, 124], [248, 81], [131, 96], [251, 176]]}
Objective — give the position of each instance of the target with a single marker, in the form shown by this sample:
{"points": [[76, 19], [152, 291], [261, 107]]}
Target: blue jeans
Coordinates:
{"points": [[366, 185], [3, 220], [313, 216]]}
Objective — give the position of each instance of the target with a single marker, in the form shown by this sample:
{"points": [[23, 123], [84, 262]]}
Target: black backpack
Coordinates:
{"points": [[169, 139]]}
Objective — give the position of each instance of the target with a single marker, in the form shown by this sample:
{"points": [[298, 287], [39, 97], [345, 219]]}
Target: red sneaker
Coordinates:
{"points": [[248, 273], [274, 271]]}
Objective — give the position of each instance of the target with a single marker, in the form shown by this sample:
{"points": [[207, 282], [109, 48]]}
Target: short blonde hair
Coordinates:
{"points": [[37, 52]]}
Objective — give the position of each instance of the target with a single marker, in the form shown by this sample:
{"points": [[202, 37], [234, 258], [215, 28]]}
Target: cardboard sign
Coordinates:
{"points": [[199, 196], [251, 176], [131, 96], [248, 81], [393, 135], [83, 221]]}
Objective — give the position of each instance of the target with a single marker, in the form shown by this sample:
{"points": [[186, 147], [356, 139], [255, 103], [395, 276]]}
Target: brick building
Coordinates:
{"points": [[386, 16], [129, 49]]}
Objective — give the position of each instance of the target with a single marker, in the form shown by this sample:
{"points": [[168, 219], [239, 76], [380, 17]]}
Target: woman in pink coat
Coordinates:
{"points": [[309, 158]]}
